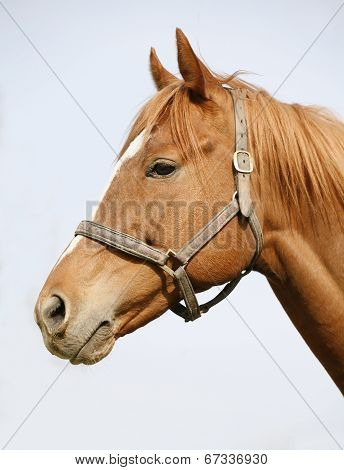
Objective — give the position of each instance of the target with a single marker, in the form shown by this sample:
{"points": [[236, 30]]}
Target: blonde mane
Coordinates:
{"points": [[298, 149]]}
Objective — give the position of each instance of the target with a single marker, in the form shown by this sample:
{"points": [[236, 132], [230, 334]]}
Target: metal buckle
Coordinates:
{"points": [[171, 252], [236, 162], [172, 255]]}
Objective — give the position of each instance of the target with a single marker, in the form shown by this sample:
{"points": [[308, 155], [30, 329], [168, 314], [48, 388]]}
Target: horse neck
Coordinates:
{"points": [[302, 260]]}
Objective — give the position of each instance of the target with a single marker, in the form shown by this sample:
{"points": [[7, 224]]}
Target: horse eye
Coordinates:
{"points": [[161, 169]]}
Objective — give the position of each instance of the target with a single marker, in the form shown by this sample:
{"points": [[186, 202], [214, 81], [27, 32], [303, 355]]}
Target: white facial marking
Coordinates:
{"points": [[131, 151], [70, 247]]}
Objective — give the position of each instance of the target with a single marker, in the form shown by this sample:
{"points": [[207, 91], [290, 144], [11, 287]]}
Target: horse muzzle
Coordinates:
{"points": [[80, 343]]}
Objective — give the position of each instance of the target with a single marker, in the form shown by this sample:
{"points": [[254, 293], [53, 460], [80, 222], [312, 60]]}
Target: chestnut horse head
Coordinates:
{"points": [[174, 174]]}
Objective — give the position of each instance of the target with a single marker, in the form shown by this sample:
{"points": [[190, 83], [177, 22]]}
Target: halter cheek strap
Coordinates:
{"points": [[240, 204]]}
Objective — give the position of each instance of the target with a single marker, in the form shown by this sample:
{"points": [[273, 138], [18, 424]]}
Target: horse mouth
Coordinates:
{"points": [[98, 346]]}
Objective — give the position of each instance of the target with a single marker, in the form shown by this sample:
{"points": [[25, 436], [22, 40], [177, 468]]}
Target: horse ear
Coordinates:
{"points": [[196, 75], [161, 76]]}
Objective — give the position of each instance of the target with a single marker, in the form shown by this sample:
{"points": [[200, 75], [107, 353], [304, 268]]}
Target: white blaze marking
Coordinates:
{"points": [[70, 247], [131, 151]]}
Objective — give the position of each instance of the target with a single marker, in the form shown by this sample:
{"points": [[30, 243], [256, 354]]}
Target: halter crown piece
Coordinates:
{"points": [[240, 204]]}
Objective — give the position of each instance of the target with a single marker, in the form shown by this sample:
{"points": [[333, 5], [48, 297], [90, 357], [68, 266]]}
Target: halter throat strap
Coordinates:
{"points": [[241, 204]]}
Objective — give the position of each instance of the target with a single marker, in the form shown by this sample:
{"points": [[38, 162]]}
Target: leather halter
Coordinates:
{"points": [[241, 204]]}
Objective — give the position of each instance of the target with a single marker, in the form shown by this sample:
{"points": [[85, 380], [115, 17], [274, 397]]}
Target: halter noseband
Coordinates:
{"points": [[240, 204]]}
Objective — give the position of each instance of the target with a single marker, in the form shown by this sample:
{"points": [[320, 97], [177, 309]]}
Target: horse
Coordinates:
{"points": [[176, 185]]}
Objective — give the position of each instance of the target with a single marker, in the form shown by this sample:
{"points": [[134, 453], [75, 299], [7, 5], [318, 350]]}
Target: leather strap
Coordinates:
{"points": [[207, 232], [243, 164], [258, 235], [191, 309], [121, 241], [183, 311]]}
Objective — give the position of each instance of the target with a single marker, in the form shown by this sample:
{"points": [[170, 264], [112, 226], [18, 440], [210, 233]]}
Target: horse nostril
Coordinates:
{"points": [[53, 313], [58, 312]]}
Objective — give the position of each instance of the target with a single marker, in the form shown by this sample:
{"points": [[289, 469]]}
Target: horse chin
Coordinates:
{"points": [[97, 347]]}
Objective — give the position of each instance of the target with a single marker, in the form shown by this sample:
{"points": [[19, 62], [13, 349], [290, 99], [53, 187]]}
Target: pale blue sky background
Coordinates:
{"points": [[204, 385]]}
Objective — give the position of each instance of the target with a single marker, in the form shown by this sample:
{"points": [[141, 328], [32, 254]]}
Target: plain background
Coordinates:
{"points": [[210, 384]]}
